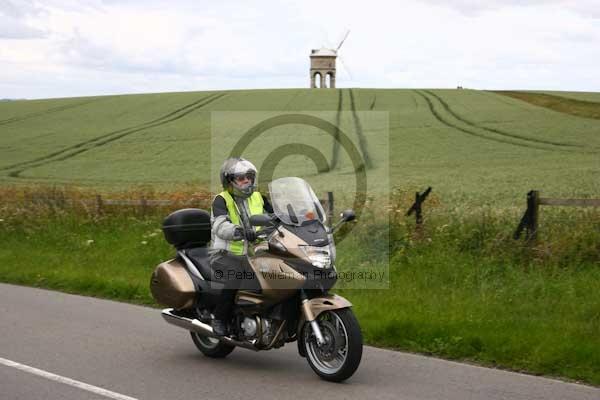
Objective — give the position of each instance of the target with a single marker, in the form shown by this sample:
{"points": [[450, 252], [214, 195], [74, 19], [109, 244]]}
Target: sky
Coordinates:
{"points": [[66, 48]]}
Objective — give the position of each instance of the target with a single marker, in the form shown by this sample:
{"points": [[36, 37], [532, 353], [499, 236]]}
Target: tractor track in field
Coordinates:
{"points": [[414, 99], [362, 141], [335, 151], [184, 108], [445, 122], [112, 136], [48, 111], [372, 106], [107, 135], [498, 131]]}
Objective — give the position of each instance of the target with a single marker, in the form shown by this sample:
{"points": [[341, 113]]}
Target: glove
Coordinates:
{"points": [[238, 233], [250, 235]]}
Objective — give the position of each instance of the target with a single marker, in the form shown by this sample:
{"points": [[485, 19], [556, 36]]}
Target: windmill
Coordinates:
{"points": [[322, 65]]}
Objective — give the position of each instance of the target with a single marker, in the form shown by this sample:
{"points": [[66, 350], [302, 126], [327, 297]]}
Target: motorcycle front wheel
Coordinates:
{"points": [[338, 358]]}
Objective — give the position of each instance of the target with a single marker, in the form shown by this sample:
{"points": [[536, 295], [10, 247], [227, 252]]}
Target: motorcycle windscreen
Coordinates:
{"points": [[294, 202]]}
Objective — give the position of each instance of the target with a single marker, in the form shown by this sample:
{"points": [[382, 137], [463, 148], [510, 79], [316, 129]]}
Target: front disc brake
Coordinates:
{"points": [[333, 341]]}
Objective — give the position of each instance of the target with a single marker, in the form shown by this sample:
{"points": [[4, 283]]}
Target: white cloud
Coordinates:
{"points": [[109, 46], [11, 28], [14, 20], [19, 9], [586, 8]]}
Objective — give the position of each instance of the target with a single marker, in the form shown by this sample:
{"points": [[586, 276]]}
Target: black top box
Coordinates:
{"points": [[187, 228]]}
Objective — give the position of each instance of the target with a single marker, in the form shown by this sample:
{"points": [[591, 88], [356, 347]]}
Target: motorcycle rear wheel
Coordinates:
{"points": [[340, 356], [210, 346]]}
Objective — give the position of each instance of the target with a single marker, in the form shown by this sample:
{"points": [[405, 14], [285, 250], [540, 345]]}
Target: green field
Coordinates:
{"points": [[461, 288], [471, 146]]}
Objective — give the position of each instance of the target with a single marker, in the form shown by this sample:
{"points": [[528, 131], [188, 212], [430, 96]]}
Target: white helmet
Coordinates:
{"points": [[235, 168]]}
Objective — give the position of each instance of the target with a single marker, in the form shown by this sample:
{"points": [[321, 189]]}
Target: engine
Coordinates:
{"points": [[261, 329]]}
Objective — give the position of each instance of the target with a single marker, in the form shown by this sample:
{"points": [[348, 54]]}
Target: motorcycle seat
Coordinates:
{"points": [[201, 260]]}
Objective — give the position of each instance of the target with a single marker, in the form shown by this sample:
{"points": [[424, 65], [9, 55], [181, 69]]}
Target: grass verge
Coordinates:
{"points": [[462, 289]]}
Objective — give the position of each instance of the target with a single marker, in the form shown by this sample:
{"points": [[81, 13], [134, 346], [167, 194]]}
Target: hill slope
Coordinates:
{"points": [[466, 144]]}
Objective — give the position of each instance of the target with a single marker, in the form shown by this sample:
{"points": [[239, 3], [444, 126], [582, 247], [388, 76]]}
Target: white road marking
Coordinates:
{"points": [[66, 381]]}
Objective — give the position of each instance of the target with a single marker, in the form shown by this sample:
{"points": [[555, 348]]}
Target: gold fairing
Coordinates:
{"points": [[277, 280], [313, 307], [172, 286], [293, 242]]}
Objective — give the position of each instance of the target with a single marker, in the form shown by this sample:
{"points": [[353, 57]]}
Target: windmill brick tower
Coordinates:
{"points": [[322, 66]]}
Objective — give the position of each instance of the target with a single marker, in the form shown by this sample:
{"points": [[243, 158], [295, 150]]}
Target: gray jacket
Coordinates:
{"points": [[223, 230]]}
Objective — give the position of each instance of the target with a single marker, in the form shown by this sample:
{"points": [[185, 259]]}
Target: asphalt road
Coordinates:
{"points": [[131, 352]]}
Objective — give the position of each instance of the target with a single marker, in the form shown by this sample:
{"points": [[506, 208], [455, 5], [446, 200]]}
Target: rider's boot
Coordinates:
{"points": [[219, 327]]}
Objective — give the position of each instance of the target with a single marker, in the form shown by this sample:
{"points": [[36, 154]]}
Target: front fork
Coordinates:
{"points": [[311, 319]]}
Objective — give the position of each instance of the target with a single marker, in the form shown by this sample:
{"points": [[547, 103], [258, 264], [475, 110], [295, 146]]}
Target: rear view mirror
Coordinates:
{"points": [[348, 215], [261, 220]]}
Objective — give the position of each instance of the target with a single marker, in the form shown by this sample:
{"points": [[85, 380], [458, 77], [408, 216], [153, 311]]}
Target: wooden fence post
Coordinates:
{"points": [[533, 206], [62, 201], [417, 209], [98, 204], [144, 205], [529, 221]]}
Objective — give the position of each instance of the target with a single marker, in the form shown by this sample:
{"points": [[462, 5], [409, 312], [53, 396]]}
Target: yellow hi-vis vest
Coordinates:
{"points": [[255, 205]]}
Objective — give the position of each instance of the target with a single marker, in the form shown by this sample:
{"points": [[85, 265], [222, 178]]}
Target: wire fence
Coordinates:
{"points": [[143, 204]]}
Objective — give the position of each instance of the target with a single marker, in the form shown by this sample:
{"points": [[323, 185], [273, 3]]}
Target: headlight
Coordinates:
{"points": [[320, 257], [332, 250]]}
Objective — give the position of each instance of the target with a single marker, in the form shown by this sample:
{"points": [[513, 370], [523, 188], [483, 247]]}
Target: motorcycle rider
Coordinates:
{"points": [[230, 213]]}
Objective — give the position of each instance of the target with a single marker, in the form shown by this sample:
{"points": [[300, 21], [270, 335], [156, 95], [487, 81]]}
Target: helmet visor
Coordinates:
{"points": [[239, 178]]}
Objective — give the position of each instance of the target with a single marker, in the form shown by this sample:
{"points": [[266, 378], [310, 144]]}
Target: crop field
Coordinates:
{"points": [[470, 146]]}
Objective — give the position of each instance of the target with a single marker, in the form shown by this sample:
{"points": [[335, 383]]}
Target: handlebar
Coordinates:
{"points": [[262, 235]]}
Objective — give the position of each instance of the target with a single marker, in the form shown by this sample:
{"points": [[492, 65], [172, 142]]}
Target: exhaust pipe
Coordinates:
{"points": [[195, 325]]}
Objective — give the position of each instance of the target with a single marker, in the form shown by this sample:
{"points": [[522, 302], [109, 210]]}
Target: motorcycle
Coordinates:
{"points": [[293, 269]]}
